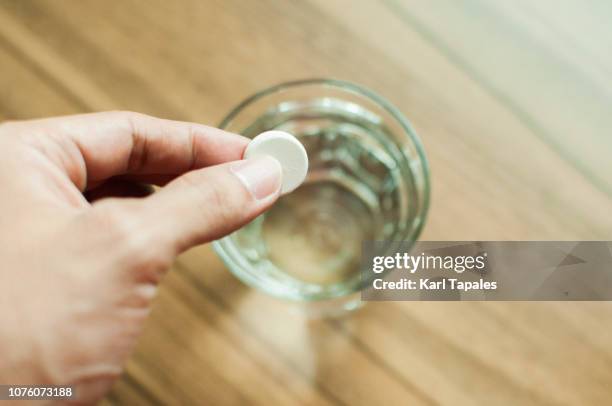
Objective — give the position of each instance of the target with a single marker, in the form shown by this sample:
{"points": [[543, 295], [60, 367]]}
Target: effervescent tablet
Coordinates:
{"points": [[287, 150]]}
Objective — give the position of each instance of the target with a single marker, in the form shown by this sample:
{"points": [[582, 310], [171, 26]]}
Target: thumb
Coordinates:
{"points": [[209, 203]]}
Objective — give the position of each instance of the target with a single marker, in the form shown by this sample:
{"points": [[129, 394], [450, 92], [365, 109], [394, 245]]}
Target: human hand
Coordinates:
{"points": [[77, 278]]}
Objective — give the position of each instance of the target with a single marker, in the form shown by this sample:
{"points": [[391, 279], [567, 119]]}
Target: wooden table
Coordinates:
{"points": [[514, 105]]}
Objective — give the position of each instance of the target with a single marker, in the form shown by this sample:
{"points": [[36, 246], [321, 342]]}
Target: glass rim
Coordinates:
{"points": [[378, 100]]}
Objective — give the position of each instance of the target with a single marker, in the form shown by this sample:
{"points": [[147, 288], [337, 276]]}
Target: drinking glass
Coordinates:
{"points": [[368, 179]]}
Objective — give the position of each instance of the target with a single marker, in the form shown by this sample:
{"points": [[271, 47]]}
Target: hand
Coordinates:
{"points": [[77, 277]]}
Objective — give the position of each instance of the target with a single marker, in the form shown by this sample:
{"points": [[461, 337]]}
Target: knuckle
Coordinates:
{"points": [[131, 119]]}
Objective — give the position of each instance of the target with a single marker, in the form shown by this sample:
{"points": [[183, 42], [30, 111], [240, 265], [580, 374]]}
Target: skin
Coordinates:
{"points": [[82, 250]]}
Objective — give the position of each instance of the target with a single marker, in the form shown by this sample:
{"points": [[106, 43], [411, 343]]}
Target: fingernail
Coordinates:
{"points": [[261, 176]]}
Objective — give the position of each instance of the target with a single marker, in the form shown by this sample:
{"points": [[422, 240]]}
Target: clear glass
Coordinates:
{"points": [[367, 180]]}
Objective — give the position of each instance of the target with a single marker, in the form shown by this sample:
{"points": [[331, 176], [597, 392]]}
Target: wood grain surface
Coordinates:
{"points": [[514, 105]]}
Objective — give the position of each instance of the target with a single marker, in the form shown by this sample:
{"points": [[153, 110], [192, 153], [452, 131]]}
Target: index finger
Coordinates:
{"points": [[97, 146]]}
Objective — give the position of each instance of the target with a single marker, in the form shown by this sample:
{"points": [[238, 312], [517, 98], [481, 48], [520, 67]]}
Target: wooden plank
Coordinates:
{"points": [[74, 85], [540, 76], [24, 93], [511, 352], [128, 392]]}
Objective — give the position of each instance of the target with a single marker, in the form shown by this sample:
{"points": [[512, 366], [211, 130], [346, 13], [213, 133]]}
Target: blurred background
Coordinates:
{"points": [[513, 103]]}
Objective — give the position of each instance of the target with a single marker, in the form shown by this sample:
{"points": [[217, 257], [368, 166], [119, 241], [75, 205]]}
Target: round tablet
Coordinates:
{"points": [[287, 150]]}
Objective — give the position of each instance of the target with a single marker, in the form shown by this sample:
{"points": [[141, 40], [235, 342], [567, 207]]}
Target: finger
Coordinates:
{"points": [[205, 205], [95, 147]]}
